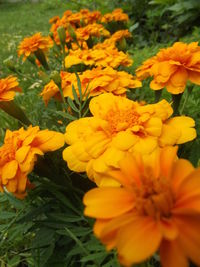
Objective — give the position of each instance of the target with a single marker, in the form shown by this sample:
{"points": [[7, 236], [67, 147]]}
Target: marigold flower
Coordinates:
{"points": [[116, 15], [96, 81], [97, 30], [118, 126], [173, 67], [109, 57], [50, 90], [8, 87], [34, 43], [19, 153], [156, 208]]}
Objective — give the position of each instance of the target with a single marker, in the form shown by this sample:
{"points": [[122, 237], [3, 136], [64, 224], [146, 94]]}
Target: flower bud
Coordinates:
{"points": [[55, 76], [62, 34], [72, 32]]}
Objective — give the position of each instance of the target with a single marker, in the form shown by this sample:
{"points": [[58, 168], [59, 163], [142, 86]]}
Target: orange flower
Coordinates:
{"points": [[94, 29], [173, 67], [156, 208], [119, 126], [8, 87], [34, 43], [109, 57], [50, 90], [19, 153], [116, 15], [96, 81]]}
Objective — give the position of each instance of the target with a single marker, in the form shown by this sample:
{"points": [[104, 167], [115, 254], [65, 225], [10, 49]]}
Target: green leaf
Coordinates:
{"points": [[75, 95], [66, 115], [4, 215], [79, 86], [72, 105]]}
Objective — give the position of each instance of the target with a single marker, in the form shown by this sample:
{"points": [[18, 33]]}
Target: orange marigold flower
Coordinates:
{"points": [[8, 87], [94, 29], [118, 126], [96, 81], [34, 43], [173, 67], [19, 153], [156, 208], [117, 36], [116, 15], [109, 57], [50, 90]]}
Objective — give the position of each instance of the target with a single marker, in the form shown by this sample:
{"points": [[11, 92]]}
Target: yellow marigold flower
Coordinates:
{"points": [[118, 126], [8, 87], [19, 153], [116, 15], [156, 208], [94, 29], [34, 43], [173, 67], [109, 57]]}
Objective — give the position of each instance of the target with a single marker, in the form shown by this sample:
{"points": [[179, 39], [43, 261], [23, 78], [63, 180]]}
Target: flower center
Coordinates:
{"points": [[154, 197], [120, 120]]}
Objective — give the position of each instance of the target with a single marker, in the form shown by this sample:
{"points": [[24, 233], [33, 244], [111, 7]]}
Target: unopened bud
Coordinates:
{"points": [[55, 76], [62, 34], [71, 32], [122, 44]]}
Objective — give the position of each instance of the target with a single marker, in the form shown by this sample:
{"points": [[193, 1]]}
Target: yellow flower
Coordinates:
{"points": [[116, 15], [173, 67], [19, 153], [118, 126], [109, 57], [34, 43], [8, 87], [156, 208]]}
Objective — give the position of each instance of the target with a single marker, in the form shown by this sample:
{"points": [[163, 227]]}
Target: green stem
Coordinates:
{"points": [[158, 94], [176, 102], [41, 57]]}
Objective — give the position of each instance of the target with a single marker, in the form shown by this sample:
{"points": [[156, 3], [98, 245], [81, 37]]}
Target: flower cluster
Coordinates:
{"points": [[95, 81], [8, 87], [119, 126], [173, 67], [108, 57], [116, 15], [19, 153]]}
